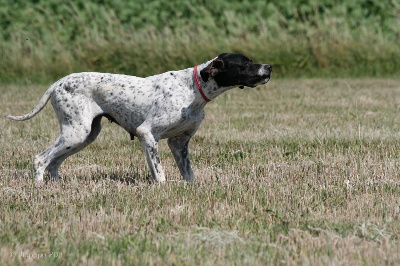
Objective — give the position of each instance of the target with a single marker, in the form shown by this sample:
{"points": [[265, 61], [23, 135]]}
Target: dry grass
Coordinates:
{"points": [[296, 172]]}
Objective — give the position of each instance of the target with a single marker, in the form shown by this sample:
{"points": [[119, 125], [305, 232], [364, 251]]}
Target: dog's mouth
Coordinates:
{"points": [[253, 85]]}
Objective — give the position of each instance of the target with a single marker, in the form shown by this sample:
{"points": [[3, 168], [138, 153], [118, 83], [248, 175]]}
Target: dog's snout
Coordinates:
{"points": [[265, 70]]}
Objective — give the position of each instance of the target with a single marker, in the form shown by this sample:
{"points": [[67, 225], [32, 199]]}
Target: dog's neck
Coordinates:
{"points": [[207, 90], [198, 84]]}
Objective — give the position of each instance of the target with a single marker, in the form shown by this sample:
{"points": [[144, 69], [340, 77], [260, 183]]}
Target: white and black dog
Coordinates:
{"points": [[169, 105]]}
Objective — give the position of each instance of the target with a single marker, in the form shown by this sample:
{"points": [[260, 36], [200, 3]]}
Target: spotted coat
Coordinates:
{"points": [[168, 105]]}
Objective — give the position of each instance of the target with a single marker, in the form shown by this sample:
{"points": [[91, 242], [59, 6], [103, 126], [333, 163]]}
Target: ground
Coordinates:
{"points": [[302, 171]]}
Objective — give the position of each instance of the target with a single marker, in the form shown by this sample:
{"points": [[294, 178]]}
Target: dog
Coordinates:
{"points": [[169, 105]]}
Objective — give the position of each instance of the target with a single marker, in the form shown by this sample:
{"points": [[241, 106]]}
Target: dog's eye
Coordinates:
{"points": [[247, 63]]}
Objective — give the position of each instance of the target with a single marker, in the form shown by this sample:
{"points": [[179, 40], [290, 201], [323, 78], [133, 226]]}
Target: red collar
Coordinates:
{"points": [[196, 79]]}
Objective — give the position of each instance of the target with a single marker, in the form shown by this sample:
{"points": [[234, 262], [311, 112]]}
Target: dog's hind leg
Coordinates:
{"points": [[74, 136], [52, 168]]}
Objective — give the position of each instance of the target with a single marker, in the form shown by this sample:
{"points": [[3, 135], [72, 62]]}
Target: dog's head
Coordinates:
{"points": [[236, 70]]}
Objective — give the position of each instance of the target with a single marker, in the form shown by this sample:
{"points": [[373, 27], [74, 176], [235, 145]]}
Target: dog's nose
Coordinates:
{"points": [[269, 67]]}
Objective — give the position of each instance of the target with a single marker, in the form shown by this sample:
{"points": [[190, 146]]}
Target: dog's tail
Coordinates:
{"points": [[42, 102]]}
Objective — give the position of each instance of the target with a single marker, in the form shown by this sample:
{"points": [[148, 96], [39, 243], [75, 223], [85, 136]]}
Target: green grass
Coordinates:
{"points": [[43, 41], [301, 171]]}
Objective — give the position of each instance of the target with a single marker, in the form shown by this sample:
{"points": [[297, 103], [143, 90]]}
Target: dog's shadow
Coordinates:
{"points": [[120, 176], [134, 179]]}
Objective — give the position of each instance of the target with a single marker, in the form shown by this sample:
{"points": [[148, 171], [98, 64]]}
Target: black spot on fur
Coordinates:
{"points": [[69, 89]]}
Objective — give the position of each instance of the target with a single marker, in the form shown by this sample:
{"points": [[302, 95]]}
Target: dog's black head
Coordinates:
{"points": [[230, 70]]}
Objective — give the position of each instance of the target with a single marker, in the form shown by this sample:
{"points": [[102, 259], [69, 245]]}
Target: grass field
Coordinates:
{"points": [[41, 41], [302, 171]]}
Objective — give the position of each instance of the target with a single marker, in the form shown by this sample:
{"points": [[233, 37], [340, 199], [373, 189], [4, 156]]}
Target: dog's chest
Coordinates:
{"points": [[178, 121]]}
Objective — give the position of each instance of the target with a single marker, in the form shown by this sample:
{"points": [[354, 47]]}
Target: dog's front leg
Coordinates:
{"points": [[150, 146], [180, 149]]}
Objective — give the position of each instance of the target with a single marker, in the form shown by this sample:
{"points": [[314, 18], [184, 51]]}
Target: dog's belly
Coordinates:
{"points": [[171, 119], [161, 124]]}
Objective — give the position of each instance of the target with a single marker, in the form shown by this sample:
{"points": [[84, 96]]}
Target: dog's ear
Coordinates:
{"points": [[212, 69]]}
